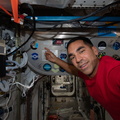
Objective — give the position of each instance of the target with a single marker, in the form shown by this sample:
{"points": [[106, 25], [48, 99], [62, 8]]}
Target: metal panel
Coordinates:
{"points": [[91, 3]]}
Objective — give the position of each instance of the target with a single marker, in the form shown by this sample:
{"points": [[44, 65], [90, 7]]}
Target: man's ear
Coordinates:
{"points": [[95, 50]]}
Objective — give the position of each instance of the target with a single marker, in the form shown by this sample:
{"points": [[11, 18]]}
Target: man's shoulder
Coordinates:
{"points": [[105, 60], [107, 57]]}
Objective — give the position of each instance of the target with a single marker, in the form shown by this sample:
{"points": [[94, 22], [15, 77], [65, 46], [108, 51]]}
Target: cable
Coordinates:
{"points": [[17, 65], [58, 23], [4, 86], [34, 26], [7, 101], [96, 26], [10, 95], [78, 19], [6, 11], [91, 14], [35, 78], [24, 60]]}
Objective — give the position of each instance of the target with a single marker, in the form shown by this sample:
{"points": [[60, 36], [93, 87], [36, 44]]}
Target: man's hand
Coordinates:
{"points": [[50, 56]]}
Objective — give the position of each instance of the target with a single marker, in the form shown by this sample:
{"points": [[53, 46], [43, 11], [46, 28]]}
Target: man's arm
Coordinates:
{"points": [[68, 67]]}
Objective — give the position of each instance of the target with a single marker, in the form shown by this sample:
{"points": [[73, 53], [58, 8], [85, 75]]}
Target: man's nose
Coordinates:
{"points": [[78, 58]]}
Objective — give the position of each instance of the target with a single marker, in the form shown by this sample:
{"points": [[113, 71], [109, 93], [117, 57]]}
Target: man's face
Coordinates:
{"points": [[83, 57]]}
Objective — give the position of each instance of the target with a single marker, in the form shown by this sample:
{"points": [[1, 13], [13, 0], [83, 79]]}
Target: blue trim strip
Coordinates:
{"points": [[107, 31], [65, 18]]}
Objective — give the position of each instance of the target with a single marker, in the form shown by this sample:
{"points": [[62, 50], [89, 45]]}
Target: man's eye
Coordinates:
{"points": [[81, 51], [71, 58]]}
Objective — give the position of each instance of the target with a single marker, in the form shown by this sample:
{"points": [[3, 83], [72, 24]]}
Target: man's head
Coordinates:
{"points": [[83, 55], [85, 40]]}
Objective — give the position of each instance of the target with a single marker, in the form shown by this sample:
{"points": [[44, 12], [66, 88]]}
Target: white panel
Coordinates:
{"points": [[65, 3], [91, 3], [52, 3]]}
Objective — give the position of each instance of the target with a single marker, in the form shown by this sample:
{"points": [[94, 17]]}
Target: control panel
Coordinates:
{"points": [[38, 63], [36, 54]]}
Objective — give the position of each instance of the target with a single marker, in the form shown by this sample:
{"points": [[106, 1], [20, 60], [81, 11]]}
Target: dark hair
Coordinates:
{"points": [[85, 40]]}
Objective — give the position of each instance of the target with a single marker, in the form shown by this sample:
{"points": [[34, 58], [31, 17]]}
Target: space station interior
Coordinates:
{"points": [[33, 88]]}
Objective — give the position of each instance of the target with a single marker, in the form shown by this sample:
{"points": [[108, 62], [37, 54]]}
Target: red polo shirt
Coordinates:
{"points": [[104, 87]]}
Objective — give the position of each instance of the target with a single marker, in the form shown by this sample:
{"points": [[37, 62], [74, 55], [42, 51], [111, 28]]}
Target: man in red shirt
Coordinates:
{"points": [[100, 75]]}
